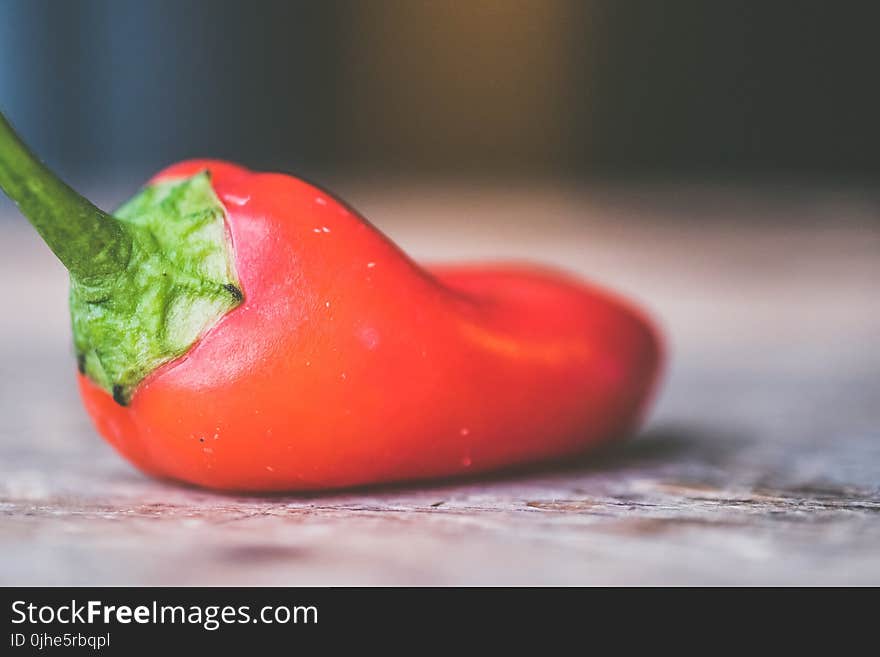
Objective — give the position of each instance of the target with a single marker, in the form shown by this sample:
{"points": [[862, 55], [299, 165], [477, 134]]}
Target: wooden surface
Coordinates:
{"points": [[759, 464]]}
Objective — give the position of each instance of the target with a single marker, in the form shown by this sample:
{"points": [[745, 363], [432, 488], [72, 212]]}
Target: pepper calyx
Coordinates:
{"points": [[179, 281]]}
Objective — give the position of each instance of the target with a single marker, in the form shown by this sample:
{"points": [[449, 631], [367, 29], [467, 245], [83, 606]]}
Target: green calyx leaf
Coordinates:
{"points": [[179, 281]]}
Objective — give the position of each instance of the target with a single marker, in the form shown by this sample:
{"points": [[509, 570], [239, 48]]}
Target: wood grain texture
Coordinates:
{"points": [[760, 463]]}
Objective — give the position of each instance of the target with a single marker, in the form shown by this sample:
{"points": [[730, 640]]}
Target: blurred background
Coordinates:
{"points": [[551, 88]]}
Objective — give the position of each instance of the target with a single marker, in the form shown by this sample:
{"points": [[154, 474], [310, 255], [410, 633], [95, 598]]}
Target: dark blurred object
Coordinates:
{"points": [[740, 87], [103, 84], [685, 87]]}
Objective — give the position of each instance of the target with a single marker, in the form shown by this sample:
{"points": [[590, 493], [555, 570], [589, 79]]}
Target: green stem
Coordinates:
{"points": [[91, 243]]}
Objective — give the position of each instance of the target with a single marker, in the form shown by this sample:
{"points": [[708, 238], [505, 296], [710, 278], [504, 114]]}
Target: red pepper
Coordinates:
{"points": [[346, 363]]}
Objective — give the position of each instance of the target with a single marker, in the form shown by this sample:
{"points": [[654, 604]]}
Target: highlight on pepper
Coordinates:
{"points": [[248, 331]]}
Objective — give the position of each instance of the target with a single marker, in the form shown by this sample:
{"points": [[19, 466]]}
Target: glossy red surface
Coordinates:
{"points": [[349, 364]]}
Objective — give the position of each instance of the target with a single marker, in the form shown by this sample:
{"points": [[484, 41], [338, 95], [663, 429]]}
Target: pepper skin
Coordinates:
{"points": [[348, 364]]}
